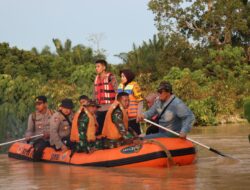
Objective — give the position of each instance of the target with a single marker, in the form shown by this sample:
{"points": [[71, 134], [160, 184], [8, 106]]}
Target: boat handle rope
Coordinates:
{"points": [[164, 148]]}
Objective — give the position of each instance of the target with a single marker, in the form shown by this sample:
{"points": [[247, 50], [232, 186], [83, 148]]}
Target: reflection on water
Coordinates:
{"points": [[209, 172]]}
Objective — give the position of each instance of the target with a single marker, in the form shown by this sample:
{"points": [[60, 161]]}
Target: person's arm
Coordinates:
{"points": [[83, 126], [113, 82], [138, 95], [54, 128], [151, 112], [187, 117], [30, 129], [93, 93], [117, 119], [139, 111]]}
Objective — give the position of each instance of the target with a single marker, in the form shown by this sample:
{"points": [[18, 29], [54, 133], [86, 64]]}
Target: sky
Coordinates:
{"points": [[117, 23]]}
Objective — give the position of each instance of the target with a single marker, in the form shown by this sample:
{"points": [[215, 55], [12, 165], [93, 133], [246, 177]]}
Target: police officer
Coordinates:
{"points": [[60, 126], [38, 123]]}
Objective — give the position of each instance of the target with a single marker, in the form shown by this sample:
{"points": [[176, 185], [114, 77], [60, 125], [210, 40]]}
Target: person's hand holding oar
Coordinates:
{"points": [[22, 139], [177, 134]]}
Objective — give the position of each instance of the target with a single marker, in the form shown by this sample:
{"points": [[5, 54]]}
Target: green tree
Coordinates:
{"points": [[208, 21]]}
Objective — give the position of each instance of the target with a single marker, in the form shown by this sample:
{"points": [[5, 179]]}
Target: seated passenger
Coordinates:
{"points": [[84, 128], [60, 126], [83, 100], [135, 98], [115, 127], [38, 123], [150, 99]]}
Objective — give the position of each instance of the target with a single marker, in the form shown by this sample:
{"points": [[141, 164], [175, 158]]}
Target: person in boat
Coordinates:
{"points": [[60, 126], [172, 113], [38, 123], [115, 127], [135, 108], [150, 100], [83, 100], [105, 90], [84, 127]]}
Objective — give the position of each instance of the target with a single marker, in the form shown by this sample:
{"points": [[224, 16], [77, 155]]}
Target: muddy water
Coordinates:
{"points": [[209, 172]]}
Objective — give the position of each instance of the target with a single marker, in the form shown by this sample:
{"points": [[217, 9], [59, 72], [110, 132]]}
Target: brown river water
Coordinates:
{"points": [[210, 171]]}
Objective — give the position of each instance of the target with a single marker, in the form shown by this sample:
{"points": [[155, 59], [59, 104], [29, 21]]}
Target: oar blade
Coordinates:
{"points": [[221, 154], [217, 152]]}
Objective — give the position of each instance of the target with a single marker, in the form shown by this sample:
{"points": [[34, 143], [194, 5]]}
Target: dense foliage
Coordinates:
{"points": [[205, 54]]}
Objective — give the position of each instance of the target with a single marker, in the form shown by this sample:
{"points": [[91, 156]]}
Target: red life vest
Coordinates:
{"points": [[104, 91]]}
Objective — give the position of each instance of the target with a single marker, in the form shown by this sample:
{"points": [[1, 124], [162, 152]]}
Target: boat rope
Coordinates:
{"points": [[164, 148]]}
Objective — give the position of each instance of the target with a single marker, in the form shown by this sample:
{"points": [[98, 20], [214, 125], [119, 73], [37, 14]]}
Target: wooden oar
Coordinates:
{"points": [[10, 142], [177, 134]]}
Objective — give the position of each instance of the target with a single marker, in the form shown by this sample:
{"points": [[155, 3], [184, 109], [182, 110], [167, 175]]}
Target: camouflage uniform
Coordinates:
{"points": [[59, 128], [83, 145], [117, 119]]}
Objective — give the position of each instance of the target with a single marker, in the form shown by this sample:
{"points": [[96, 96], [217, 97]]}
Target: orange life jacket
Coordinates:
{"points": [[133, 102], [74, 135], [109, 128], [104, 91]]}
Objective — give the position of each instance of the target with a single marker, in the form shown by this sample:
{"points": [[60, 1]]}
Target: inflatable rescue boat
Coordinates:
{"points": [[160, 152]]}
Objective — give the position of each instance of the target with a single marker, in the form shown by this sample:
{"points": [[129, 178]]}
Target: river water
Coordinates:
{"points": [[210, 171]]}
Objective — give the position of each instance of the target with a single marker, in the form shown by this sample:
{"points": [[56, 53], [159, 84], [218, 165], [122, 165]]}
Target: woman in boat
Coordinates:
{"points": [[84, 128], [131, 87]]}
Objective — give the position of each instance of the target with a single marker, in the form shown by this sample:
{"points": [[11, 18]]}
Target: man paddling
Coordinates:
{"points": [[172, 113], [38, 123]]}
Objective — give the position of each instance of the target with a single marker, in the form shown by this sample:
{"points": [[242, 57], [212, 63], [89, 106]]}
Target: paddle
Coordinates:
{"points": [[177, 134], [10, 142]]}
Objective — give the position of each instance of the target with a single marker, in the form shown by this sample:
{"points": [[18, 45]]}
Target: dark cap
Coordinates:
{"points": [[67, 103], [164, 85], [41, 99], [101, 61], [93, 103], [83, 97]]}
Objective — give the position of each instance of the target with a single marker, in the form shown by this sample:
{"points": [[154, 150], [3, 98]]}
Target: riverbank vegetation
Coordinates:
{"points": [[203, 49]]}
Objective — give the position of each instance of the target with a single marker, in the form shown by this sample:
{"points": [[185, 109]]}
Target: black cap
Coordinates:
{"points": [[93, 103], [67, 103], [41, 99], [83, 97], [164, 85]]}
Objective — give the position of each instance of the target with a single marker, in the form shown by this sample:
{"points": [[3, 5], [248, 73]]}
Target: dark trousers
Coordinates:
{"points": [[100, 117], [152, 130], [71, 145], [135, 126], [39, 146]]}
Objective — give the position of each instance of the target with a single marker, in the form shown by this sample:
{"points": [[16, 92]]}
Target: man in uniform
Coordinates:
{"points": [[60, 126], [115, 127], [84, 128], [38, 123]]}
